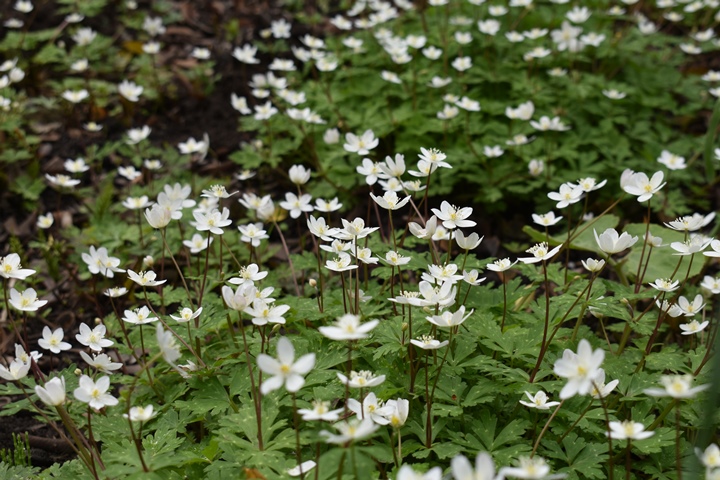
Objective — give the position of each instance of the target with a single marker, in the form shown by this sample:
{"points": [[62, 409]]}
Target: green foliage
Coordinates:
{"points": [[210, 418]]}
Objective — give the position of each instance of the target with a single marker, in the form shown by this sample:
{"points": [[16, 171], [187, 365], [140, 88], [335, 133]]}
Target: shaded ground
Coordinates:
{"points": [[186, 115]]}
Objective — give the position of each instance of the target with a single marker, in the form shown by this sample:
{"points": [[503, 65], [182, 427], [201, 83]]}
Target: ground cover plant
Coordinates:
{"points": [[442, 239]]}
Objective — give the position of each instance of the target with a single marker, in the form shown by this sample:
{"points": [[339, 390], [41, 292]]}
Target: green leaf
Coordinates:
{"points": [[709, 142], [583, 238]]}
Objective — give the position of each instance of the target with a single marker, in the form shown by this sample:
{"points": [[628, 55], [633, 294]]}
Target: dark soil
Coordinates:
{"points": [[187, 113]]}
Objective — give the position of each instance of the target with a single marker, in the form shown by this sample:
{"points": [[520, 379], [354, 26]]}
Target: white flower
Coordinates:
{"points": [[348, 327], [489, 27], [566, 195], [672, 161], [579, 368], [322, 205], [610, 242], [592, 39], [145, 279], [331, 136], [426, 342], [130, 90], [501, 265], [246, 54], [197, 243], [461, 64], [665, 284], [115, 292], [84, 36], [711, 284], [302, 469], [240, 104], [448, 112], [691, 223], [354, 230], [166, 343], [390, 200], [676, 386], [15, 371], [95, 338], [470, 242], [628, 430], [23, 6], [407, 472], [61, 180], [454, 217], [95, 393], [129, 172], [350, 431], [599, 389], [297, 205], [361, 379], [696, 243], [262, 313], [26, 301], [214, 221], [536, 167], [710, 458], [638, 184], [546, 123], [264, 111], [191, 146], [468, 104], [540, 252], [45, 221], [341, 263], [101, 362], [547, 219], [438, 82], [158, 216], [529, 468], [693, 327], [137, 135], [360, 145], [614, 94], [75, 96], [299, 175], [239, 299], [371, 408], [320, 411], [80, 65], [592, 265], [186, 314], [524, 111], [139, 316], [589, 184], [53, 392], [285, 370], [397, 412], [140, 414], [432, 52], [53, 340], [153, 26], [690, 309], [715, 245], [578, 14], [463, 470], [539, 401]]}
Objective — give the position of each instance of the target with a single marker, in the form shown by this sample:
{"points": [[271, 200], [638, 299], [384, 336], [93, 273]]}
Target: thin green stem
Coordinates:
{"points": [[542, 432], [254, 390]]}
